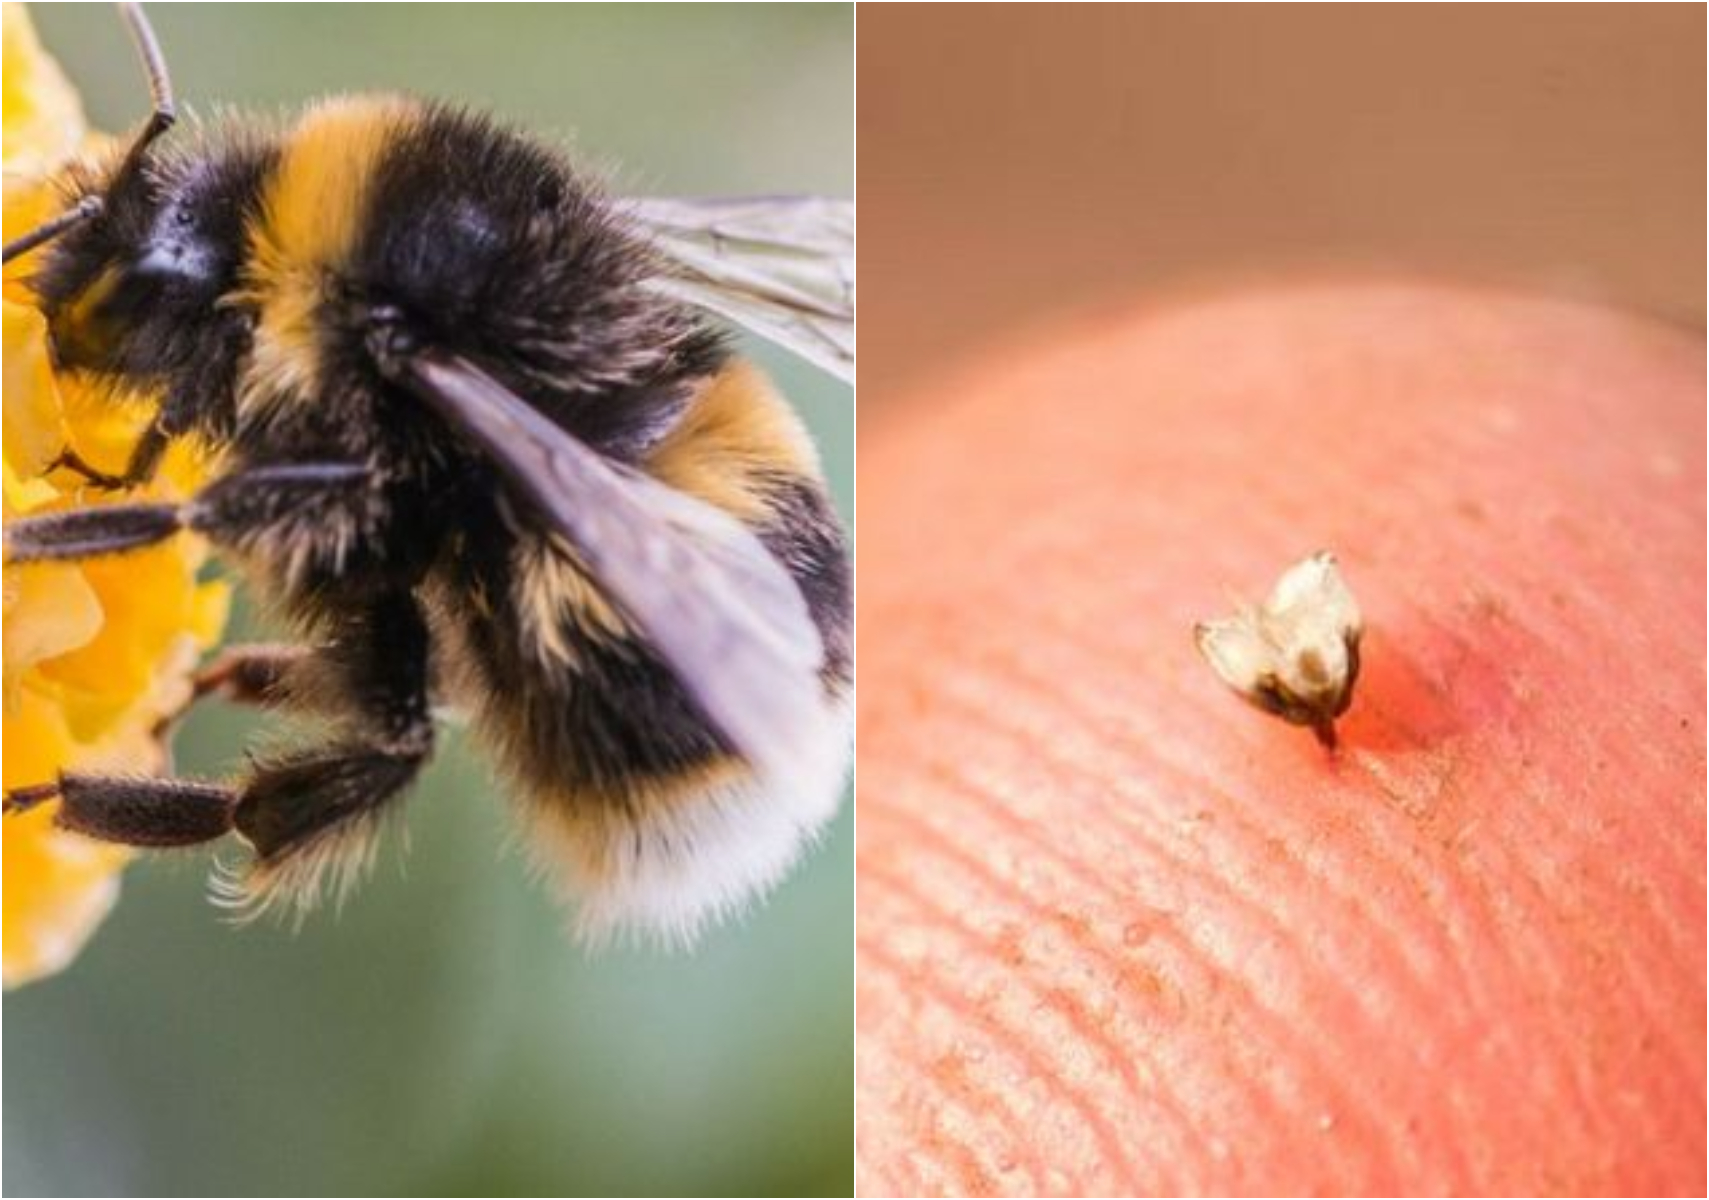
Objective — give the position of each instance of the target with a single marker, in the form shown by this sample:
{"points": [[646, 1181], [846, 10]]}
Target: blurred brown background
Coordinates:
{"points": [[1017, 160]]}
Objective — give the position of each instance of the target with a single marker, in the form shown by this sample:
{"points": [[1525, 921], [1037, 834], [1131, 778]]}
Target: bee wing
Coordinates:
{"points": [[702, 589], [782, 266]]}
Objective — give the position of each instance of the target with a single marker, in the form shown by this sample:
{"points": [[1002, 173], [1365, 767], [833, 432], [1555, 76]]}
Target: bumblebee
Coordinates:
{"points": [[479, 445]]}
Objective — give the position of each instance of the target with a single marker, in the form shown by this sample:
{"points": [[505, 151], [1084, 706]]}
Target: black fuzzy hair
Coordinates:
{"points": [[147, 331], [493, 247]]}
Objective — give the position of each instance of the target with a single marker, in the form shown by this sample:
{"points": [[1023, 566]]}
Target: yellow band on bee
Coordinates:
{"points": [[736, 438], [312, 217]]}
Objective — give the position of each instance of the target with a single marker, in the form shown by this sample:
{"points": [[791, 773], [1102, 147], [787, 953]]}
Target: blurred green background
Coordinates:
{"points": [[441, 1035]]}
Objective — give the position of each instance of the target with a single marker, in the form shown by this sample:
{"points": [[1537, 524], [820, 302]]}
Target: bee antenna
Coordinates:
{"points": [[165, 108], [85, 209], [165, 112]]}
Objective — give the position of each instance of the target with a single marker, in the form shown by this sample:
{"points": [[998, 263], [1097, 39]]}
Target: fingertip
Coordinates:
{"points": [[1435, 935]]}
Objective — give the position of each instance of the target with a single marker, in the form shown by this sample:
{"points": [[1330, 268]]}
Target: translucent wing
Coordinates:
{"points": [[705, 593], [782, 266]]}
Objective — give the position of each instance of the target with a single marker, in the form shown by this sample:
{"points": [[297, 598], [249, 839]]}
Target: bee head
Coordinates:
{"points": [[132, 290]]}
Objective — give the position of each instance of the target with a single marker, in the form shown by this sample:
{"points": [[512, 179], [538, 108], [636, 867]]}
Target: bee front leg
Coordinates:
{"points": [[224, 510], [69, 460], [200, 400], [140, 467]]}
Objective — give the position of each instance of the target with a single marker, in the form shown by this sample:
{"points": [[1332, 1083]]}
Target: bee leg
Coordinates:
{"points": [[224, 510], [308, 812], [253, 674], [145, 456], [69, 460], [283, 808], [315, 809], [140, 467], [133, 811], [249, 674], [89, 532], [300, 803], [201, 399]]}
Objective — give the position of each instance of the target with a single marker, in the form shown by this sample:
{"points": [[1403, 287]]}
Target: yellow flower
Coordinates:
{"points": [[97, 652]]}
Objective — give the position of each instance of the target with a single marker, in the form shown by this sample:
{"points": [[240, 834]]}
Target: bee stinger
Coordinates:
{"points": [[1296, 656]]}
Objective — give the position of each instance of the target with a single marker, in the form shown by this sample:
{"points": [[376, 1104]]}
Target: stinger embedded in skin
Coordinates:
{"points": [[1296, 655]]}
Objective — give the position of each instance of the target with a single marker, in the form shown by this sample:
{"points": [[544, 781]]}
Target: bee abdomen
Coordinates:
{"points": [[804, 534], [640, 812], [649, 819], [685, 850]]}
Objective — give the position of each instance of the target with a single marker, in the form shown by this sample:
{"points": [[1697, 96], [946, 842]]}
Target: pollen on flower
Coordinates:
{"points": [[94, 653]]}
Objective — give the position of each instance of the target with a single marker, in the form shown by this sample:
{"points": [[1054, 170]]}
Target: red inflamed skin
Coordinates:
{"points": [[1123, 933]]}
